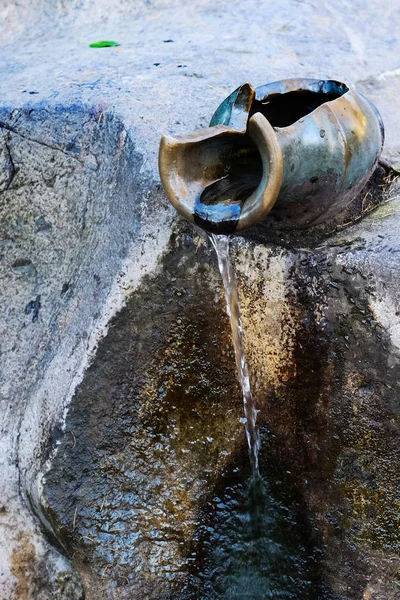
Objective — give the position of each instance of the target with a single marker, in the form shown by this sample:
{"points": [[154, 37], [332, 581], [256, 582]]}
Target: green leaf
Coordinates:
{"points": [[103, 44]]}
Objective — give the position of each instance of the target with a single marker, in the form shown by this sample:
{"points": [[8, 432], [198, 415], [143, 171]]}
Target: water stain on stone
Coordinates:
{"points": [[157, 437], [150, 496], [336, 426]]}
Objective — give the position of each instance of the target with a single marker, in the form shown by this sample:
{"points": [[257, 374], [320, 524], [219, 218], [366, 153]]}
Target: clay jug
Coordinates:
{"points": [[303, 146]]}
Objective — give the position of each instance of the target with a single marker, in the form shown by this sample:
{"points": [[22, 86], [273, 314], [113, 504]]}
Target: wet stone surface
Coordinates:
{"points": [[149, 491], [333, 409]]}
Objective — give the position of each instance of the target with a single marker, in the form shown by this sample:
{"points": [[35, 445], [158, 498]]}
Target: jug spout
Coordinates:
{"points": [[222, 179]]}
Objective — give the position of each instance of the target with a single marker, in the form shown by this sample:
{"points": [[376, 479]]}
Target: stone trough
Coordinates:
{"points": [[123, 462]]}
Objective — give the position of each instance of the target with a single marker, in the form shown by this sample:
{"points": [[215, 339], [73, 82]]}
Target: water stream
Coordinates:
{"points": [[221, 245]]}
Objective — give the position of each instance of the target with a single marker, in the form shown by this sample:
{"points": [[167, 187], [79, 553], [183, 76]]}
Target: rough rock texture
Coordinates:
{"points": [[83, 219], [61, 218], [153, 446], [154, 429]]}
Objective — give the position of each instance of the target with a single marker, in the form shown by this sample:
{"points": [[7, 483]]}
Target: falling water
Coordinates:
{"points": [[221, 245]]}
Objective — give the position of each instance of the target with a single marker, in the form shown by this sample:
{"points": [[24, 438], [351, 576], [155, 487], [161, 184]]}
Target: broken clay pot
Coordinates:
{"points": [[303, 146]]}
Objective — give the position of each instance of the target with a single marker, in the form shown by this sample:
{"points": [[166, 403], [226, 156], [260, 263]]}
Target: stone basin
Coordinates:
{"points": [[123, 466]]}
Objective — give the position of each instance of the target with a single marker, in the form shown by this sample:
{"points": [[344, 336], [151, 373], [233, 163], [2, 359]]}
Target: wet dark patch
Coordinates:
{"points": [[149, 488], [336, 425], [252, 540], [153, 437]]}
